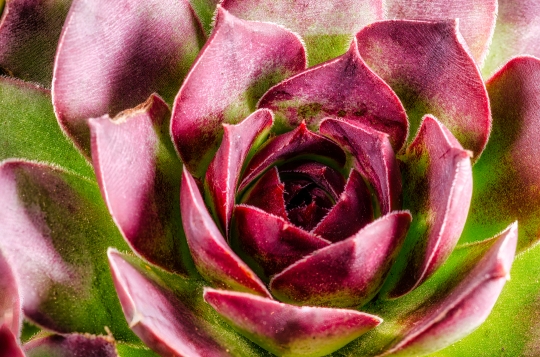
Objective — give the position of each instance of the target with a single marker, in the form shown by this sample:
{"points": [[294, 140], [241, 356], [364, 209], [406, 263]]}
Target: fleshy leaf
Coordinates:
{"points": [[29, 129], [438, 193], [112, 56], [347, 273], [320, 174], [214, 259], [54, 231], [517, 32], [343, 87], [287, 330], [465, 308], [168, 313], [138, 173], [425, 63], [351, 213], [476, 18], [29, 33], [10, 303], [236, 75], [267, 194], [8, 343], [271, 241], [71, 345], [373, 157], [224, 171], [327, 27], [205, 11], [297, 144], [506, 180]]}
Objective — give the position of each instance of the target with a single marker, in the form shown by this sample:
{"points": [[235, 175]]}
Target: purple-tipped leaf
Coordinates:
{"points": [[343, 87], [347, 273], [287, 330], [272, 241], [71, 346], [224, 170], [438, 193], [54, 231], [447, 320], [9, 346], [214, 259], [373, 157], [267, 194], [425, 63], [239, 62], [10, 303], [138, 173], [507, 178], [112, 56], [476, 18], [326, 27], [168, 313], [29, 33], [517, 32], [300, 142], [351, 212]]}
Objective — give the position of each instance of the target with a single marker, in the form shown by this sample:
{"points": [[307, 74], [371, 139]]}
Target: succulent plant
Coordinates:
{"points": [[248, 178]]}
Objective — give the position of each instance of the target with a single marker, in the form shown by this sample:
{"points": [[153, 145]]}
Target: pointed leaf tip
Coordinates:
{"points": [[288, 330]]}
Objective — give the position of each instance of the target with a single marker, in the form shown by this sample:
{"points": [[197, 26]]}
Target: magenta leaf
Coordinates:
{"points": [[351, 212], [348, 273], [271, 241], [516, 33], [464, 307], [267, 194], [55, 230], [9, 347], [10, 303], [373, 157], [168, 313], [425, 63], [224, 171], [438, 193], [326, 27], [213, 257], [287, 330], [237, 76], [476, 18], [344, 88], [29, 33], [71, 345], [137, 170], [297, 144], [506, 179], [112, 56]]}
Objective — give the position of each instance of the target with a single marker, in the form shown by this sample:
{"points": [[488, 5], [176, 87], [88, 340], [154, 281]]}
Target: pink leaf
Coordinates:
{"points": [[71, 345], [267, 194]]}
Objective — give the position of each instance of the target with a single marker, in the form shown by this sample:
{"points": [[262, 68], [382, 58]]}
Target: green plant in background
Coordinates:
{"points": [[251, 178]]}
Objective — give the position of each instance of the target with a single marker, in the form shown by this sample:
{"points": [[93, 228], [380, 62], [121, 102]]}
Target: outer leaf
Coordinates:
{"points": [[236, 75], [29, 130], [205, 11], [224, 171], [8, 342], [344, 88], [507, 179], [10, 304], [213, 258], [476, 18], [425, 63], [439, 180], [288, 330], [327, 27], [112, 56], [373, 157], [138, 173], [29, 33], [169, 315], [71, 345], [54, 229], [348, 273], [517, 32]]}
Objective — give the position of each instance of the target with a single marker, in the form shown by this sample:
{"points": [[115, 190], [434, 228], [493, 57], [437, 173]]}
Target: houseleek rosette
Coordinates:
{"points": [[304, 196]]}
